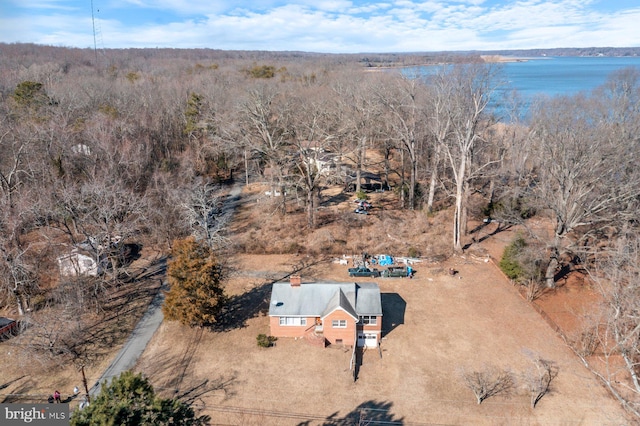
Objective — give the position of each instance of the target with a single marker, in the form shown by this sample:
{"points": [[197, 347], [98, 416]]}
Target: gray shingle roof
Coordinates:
{"points": [[337, 301], [319, 299]]}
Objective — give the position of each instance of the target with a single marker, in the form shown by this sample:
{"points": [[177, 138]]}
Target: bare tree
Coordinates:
{"points": [[360, 112], [312, 164], [105, 215], [460, 129], [586, 179], [13, 157], [404, 100], [487, 382], [616, 362], [537, 379], [265, 124], [17, 278], [438, 123], [18, 268], [204, 214]]}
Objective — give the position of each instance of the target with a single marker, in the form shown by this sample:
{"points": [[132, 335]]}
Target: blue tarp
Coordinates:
{"points": [[385, 260]]}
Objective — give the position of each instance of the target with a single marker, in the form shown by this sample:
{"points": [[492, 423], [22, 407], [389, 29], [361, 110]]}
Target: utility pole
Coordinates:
{"points": [[95, 44], [84, 383]]}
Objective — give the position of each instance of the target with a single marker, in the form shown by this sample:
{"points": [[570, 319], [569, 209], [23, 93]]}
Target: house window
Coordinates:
{"points": [[368, 320], [339, 323], [293, 321]]}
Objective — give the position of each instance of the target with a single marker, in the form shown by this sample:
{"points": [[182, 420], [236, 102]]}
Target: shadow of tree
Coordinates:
{"points": [[194, 393], [7, 398], [10, 382], [242, 307], [501, 227], [22, 393], [157, 268], [168, 375], [367, 413], [336, 199], [393, 307], [130, 253], [69, 333], [359, 352]]}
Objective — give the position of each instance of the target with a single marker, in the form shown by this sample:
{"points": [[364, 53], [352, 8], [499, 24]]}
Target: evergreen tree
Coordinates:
{"points": [[196, 296], [130, 400]]}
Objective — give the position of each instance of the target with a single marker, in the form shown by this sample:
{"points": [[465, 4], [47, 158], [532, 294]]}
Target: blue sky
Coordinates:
{"points": [[336, 26]]}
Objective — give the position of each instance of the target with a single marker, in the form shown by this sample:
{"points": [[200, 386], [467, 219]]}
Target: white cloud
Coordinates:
{"points": [[41, 4], [331, 25]]}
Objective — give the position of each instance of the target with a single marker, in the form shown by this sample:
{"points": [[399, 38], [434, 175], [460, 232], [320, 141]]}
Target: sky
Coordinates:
{"points": [[326, 26]]}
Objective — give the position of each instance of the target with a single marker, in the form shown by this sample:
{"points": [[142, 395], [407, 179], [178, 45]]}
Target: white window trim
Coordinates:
{"points": [[292, 322], [368, 320], [339, 323]]}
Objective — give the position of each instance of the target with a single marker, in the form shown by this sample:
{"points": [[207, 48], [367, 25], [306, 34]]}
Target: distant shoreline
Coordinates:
{"points": [[485, 58], [505, 59]]}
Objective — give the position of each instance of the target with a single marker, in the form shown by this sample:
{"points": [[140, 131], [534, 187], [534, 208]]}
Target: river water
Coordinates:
{"points": [[550, 76], [563, 75]]}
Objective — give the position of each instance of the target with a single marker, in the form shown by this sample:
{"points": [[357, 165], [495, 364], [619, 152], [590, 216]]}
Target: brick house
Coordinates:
{"points": [[334, 313]]}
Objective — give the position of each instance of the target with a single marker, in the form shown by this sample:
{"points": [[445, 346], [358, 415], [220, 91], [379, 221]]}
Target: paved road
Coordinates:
{"points": [[135, 344], [150, 321]]}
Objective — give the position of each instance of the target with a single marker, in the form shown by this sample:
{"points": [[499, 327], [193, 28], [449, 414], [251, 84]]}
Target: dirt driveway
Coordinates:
{"points": [[435, 326]]}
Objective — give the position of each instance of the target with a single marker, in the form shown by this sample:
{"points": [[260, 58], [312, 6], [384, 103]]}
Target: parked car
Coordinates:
{"points": [[363, 207], [397, 271], [363, 272], [363, 204]]}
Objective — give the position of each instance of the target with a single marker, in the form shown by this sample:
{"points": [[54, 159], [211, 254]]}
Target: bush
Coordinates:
{"points": [[361, 195], [510, 262], [265, 341], [264, 71], [413, 252], [293, 248]]}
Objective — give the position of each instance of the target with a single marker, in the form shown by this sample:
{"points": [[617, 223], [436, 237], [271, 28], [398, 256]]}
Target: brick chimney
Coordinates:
{"points": [[295, 280]]}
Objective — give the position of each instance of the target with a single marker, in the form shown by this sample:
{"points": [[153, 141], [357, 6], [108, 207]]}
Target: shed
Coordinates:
{"points": [[7, 326], [77, 263]]}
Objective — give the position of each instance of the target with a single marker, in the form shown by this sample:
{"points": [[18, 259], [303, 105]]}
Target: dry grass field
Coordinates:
{"points": [[435, 326]]}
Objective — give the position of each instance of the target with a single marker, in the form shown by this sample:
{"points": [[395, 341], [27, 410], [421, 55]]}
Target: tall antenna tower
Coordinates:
{"points": [[95, 45]]}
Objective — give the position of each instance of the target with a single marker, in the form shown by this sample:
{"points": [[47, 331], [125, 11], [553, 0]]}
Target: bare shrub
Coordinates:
{"points": [[586, 341], [537, 379], [488, 381], [293, 248], [252, 244], [321, 239], [533, 289], [439, 247]]}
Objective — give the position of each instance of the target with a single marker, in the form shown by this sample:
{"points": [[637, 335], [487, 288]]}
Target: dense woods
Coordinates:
{"points": [[128, 149]]}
